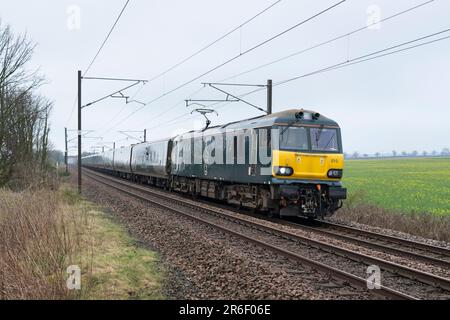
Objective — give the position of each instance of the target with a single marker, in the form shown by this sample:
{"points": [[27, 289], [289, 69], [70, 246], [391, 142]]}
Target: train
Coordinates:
{"points": [[286, 164]]}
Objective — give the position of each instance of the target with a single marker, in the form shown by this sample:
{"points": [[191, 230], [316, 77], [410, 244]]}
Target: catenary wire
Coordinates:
{"points": [[328, 41], [107, 37], [367, 57], [235, 57], [96, 56], [410, 9], [196, 53]]}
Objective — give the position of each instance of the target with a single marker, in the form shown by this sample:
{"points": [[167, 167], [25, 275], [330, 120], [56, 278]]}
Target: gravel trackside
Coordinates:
{"points": [[203, 263]]}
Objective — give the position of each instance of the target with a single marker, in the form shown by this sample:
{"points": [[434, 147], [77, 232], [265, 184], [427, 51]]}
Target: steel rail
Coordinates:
{"points": [[377, 246], [409, 243]]}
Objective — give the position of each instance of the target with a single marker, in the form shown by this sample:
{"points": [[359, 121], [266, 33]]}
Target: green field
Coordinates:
{"points": [[406, 185]]}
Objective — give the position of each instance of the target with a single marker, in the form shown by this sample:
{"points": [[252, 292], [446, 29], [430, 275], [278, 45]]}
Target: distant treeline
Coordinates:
{"points": [[394, 154], [24, 114]]}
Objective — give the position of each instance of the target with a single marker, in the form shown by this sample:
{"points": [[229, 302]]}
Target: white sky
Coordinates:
{"points": [[398, 102]]}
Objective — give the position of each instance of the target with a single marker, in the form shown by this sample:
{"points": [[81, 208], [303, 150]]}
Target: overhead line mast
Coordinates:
{"points": [[80, 77]]}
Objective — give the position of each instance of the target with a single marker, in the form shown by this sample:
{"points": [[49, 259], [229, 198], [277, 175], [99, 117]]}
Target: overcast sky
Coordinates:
{"points": [[399, 102]]}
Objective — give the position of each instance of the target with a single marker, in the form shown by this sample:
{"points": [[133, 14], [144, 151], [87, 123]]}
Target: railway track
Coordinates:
{"points": [[434, 255], [291, 245], [413, 249]]}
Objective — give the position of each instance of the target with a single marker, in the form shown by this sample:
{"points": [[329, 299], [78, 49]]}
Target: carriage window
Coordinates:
{"points": [[324, 140], [294, 138], [235, 151]]}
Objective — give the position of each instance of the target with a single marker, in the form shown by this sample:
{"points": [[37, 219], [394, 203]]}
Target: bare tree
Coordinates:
{"points": [[24, 115]]}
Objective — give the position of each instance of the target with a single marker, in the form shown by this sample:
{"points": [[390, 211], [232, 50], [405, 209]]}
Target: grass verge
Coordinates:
{"points": [[117, 268]]}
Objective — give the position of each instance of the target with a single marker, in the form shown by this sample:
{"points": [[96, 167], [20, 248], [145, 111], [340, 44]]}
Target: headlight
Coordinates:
{"points": [[334, 173], [284, 171]]}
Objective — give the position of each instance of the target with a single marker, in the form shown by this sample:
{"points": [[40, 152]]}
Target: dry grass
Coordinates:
{"points": [[425, 225], [39, 239]]}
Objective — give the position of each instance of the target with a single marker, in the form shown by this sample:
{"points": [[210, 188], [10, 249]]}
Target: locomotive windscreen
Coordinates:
{"points": [[294, 139], [309, 139], [324, 139]]}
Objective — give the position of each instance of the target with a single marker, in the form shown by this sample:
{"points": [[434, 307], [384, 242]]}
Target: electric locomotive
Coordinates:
{"points": [[291, 164]]}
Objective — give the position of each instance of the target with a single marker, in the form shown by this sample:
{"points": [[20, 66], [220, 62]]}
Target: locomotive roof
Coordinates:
{"points": [[286, 117]]}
